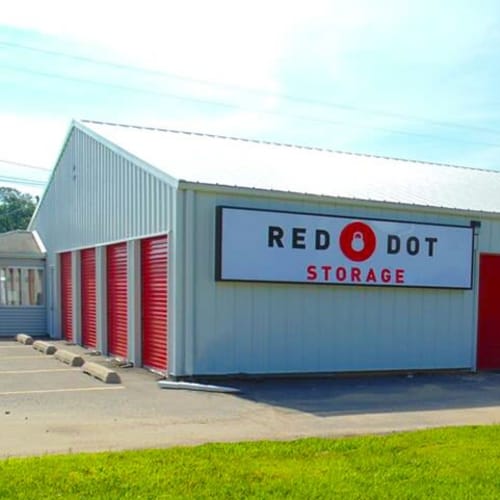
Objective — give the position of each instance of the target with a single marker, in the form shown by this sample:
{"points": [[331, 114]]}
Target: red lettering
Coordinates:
{"points": [[341, 274], [400, 275], [311, 273], [355, 274], [326, 272], [371, 276], [386, 275]]}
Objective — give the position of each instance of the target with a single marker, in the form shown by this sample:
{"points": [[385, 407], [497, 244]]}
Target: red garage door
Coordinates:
{"points": [[66, 297], [89, 309], [154, 255], [488, 345], [117, 299]]}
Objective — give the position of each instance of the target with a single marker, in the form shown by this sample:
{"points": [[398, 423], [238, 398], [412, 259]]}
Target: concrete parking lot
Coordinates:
{"points": [[48, 407]]}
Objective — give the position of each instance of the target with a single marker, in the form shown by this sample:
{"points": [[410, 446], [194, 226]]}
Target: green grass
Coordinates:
{"points": [[450, 463]]}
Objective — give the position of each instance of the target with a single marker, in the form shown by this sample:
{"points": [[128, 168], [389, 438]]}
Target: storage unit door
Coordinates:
{"points": [[66, 297], [154, 258], [89, 303], [117, 299], [488, 345]]}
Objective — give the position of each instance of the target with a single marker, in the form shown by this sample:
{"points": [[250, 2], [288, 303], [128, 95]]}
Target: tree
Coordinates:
{"points": [[16, 209]]}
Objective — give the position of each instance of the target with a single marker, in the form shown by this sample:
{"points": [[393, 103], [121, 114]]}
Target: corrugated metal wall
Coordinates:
{"points": [[489, 240], [30, 320], [23, 319], [97, 197], [266, 328]]}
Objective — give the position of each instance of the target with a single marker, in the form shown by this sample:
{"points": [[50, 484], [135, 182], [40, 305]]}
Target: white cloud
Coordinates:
{"points": [[36, 140], [224, 40]]}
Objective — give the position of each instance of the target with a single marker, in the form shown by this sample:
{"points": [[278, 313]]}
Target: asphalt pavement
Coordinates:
{"points": [[49, 407]]}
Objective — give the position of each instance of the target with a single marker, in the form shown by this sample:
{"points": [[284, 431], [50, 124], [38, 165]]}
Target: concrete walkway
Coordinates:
{"points": [[48, 407]]}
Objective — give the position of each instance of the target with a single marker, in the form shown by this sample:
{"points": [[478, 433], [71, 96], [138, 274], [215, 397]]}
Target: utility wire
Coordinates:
{"points": [[262, 92], [244, 108], [19, 180], [25, 165]]}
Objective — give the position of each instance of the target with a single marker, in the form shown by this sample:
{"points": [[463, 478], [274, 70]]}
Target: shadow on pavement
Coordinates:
{"points": [[346, 396]]}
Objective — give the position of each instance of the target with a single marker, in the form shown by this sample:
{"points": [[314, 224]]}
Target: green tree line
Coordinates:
{"points": [[16, 209]]}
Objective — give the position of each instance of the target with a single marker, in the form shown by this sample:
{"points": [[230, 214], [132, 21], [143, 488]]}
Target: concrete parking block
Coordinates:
{"points": [[69, 358], [44, 347], [100, 372], [24, 339]]}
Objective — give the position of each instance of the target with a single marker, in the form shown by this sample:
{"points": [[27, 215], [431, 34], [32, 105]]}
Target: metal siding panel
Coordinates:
{"points": [[154, 259], [66, 296], [175, 266], [29, 320], [101, 300], [77, 296], [117, 295], [113, 196], [111, 199], [149, 205], [489, 236], [88, 298], [152, 204], [134, 302], [134, 200], [189, 304], [123, 200], [277, 328]]}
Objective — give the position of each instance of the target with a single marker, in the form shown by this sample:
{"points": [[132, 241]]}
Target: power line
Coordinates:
{"points": [[19, 180], [246, 109], [212, 83], [25, 165]]}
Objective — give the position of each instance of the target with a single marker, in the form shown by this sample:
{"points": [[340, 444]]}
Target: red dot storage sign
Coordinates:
{"points": [[289, 247]]}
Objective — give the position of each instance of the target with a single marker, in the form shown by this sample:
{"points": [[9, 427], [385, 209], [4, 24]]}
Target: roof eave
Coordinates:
{"points": [[22, 255], [296, 196]]}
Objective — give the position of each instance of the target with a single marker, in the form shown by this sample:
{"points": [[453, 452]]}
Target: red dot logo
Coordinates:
{"points": [[358, 241]]}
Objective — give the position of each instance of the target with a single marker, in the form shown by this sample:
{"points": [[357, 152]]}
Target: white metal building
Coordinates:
{"points": [[204, 255]]}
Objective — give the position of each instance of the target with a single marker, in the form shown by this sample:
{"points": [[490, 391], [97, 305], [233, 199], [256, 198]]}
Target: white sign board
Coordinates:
{"points": [[259, 245]]}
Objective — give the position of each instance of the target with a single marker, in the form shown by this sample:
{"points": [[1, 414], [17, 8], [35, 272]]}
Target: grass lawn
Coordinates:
{"points": [[449, 463]]}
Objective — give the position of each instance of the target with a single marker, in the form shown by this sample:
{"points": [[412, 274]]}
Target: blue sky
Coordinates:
{"points": [[416, 80]]}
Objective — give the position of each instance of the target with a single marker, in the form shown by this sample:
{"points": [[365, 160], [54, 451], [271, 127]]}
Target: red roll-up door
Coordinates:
{"points": [[117, 299], [66, 297], [89, 303], [488, 345], [154, 258]]}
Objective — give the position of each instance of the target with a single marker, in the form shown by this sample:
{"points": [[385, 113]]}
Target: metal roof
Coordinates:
{"points": [[219, 160], [21, 244]]}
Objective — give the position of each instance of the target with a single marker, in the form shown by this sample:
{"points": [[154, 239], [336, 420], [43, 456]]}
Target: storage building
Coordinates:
{"points": [[22, 284], [196, 254]]}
